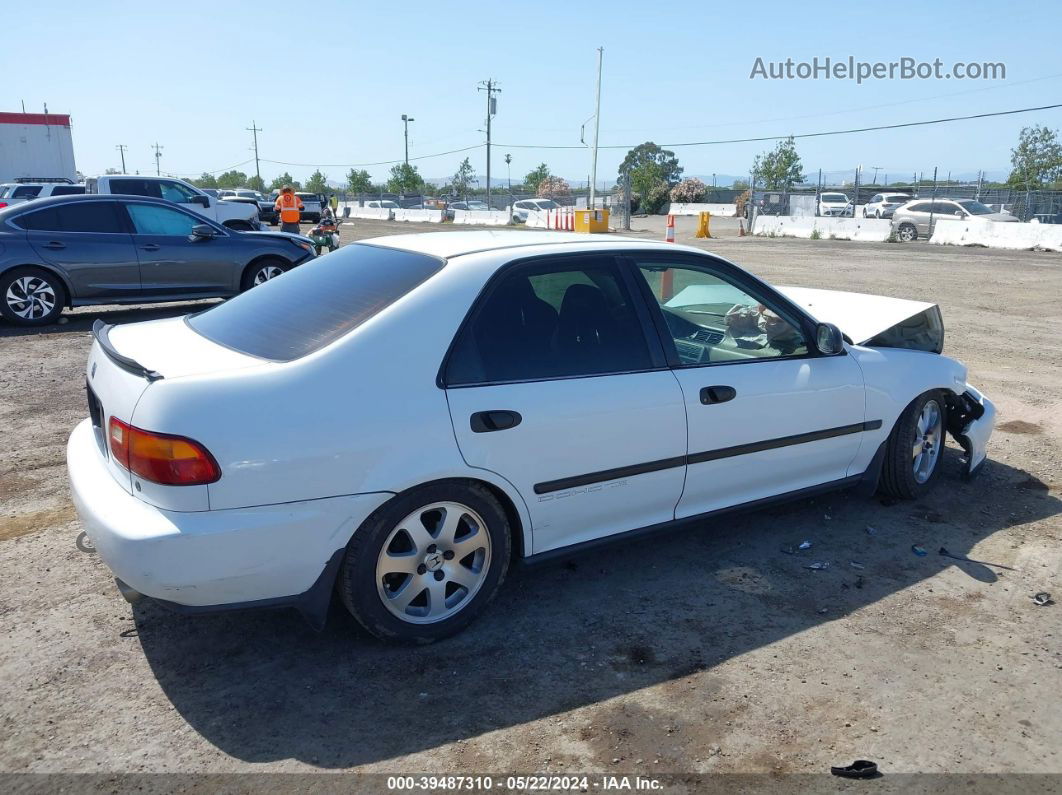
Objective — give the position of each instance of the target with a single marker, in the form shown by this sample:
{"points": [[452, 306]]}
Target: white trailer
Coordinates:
{"points": [[36, 146]]}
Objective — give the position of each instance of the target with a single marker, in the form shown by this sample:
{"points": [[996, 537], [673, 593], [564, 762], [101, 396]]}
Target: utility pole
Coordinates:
{"points": [[158, 157], [491, 87], [256, 129], [509, 171], [121, 148], [405, 123], [597, 128], [876, 170]]}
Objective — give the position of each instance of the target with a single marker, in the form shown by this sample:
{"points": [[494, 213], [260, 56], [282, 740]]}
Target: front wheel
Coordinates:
{"points": [[31, 296], [427, 563], [262, 271], [915, 447], [907, 233]]}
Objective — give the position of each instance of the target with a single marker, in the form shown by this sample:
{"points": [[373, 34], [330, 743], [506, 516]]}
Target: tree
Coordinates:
{"points": [[781, 167], [689, 190], [648, 165], [535, 176], [359, 181], [404, 179], [461, 183], [256, 183], [1036, 159], [232, 179], [740, 184], [205, 181], [553, 186], [282, 180], [317, 183]]}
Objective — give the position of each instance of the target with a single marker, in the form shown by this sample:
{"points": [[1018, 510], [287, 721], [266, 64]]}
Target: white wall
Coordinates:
{"points": [[685, 208], [1014, 236], [864, 229]]}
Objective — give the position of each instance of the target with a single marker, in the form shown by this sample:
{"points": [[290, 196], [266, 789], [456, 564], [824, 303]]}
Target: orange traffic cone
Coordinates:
{"points": [[669, 232]]}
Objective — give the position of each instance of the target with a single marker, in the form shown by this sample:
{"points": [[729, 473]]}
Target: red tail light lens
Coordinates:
{"points": [[161, 457], [3, 204]]}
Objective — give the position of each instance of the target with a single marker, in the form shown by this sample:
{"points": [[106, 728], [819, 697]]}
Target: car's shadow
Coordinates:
{"points": [[261, 686], [81, 320]]}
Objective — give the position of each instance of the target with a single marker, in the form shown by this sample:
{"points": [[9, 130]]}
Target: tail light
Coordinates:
{"points": [[3, 204], [161, 457]]}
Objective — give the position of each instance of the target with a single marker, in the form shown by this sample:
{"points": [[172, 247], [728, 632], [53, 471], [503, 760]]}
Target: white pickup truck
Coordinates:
{"points": [[235, 215]]}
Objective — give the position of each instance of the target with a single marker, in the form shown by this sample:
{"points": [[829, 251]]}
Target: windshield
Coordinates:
{"points": [[834, 197], [975, 208], [316, 303]]}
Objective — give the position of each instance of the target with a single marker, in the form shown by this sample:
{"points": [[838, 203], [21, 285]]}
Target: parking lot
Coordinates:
{"points": [[699, 651]]}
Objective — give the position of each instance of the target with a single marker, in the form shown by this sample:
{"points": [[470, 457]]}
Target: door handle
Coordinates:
{"points": [[151, 247], [717, 394], [494, 420], [55, 245]]}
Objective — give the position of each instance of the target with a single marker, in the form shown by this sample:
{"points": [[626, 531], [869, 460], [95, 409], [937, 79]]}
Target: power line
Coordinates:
{"points": [[803, 135], [379, 163]]}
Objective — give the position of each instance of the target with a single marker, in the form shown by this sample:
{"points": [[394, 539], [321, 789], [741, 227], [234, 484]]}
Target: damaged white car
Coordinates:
{"points": [[398, 422]]}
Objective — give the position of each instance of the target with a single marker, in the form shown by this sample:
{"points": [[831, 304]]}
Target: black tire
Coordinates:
{"points": [[906, 233], [357, 585], [239, 226], [46, 296], [898, 477], [263, 270]]}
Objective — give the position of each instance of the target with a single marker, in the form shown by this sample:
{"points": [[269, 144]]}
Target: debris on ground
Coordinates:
{"points": [[860, 768], [1043, 599], [789, 549], [871, 531], [855, 564], [819, 565], [920, 551]]}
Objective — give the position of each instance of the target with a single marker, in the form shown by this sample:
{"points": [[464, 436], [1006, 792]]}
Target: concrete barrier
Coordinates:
{"points": [[696, 208], [1012, 236], [482, 217], [537, 219], [380, 213], [419, 216], [861, 229]]}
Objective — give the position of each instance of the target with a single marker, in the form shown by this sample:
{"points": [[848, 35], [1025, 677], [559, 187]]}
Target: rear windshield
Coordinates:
{"points": [[834, 197], [315, 304]]}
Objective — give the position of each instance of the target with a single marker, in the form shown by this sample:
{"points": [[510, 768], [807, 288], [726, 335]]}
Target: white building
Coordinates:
{"points": [[36, 146]]}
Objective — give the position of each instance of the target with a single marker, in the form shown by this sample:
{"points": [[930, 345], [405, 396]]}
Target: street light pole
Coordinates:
{"points": [[509, 171], [597, 128], [158, 157], [491, 87], [405, 123], [121, 148]]}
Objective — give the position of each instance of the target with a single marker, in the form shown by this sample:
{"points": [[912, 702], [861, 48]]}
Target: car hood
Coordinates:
{"points": [[278, 236], [1005, 218], [860, 316]]}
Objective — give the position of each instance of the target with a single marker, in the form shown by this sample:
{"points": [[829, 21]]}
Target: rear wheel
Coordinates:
{"points": [[914, 449], [907, 233], [31, 296], [262, 271], [427, 563]]}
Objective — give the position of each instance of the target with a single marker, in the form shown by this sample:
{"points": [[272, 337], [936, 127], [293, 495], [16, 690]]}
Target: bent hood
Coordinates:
{"points": [[862, 317]]}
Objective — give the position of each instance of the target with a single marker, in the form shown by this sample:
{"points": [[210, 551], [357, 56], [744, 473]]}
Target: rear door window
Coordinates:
{"points": [[136, 187], [315, 304], [46, 220], [100, 217]]}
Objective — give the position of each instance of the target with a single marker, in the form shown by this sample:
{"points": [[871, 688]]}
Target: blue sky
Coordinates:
{"points": [[329, 82]]}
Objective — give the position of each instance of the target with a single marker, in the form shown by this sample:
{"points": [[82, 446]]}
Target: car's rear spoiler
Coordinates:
{"points": [[101, 331]]}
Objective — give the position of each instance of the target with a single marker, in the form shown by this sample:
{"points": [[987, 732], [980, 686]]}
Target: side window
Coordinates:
{"points": [[25, 191], [712, 320], [68, 190], [92, 216], [46, 220], [136, 187], [876, 198], [151, 219], [572, 317], [921, 207], [176, 192]]}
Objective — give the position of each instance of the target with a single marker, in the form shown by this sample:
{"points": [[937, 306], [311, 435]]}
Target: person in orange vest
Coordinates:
{"points": [[289, 206]]}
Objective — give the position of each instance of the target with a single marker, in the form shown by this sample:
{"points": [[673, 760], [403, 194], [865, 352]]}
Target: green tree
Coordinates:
{"points": [[232, 179], [1036, 159], [779, 168], [317, 183], [359, 181], [648, 165], [205, 181], [256, 183], [282, 180], [740, 184], [404, 179], [461, 182], [535, 177]]}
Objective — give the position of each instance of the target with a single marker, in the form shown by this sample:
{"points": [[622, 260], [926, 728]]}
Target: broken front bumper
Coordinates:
{"points": [[971, 419]]}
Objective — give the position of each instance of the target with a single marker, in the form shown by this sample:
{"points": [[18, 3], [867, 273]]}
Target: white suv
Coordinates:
{"points": [[522, 208], [239, 216], [18, 192], [883, 205]]}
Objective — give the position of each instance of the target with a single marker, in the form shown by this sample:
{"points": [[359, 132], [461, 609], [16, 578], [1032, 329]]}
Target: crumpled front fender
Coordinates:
{"points": [[971, 419]]}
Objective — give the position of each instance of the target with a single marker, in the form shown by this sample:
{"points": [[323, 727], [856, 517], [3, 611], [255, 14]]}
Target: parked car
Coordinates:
{"points": [[12, 193], [91, 249], [382, 203], [267, 212], [768, 202], [883, 205], [311, 207], [525, 206], [834, 204], [916, 219], [555, 394], [464, 205], [234, 215]]}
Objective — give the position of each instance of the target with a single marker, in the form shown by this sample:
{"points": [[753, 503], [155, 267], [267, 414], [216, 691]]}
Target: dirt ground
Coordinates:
{"points": [[695, 652]]}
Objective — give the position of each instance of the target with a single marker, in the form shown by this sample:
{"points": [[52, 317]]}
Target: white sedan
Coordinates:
{"points": [[401, 420]]}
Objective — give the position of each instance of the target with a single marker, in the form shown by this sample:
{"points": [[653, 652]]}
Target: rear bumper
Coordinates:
{"points": [[208, 560]]}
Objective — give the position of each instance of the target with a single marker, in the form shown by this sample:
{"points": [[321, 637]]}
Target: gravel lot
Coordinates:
{"points": [[695, 652]]}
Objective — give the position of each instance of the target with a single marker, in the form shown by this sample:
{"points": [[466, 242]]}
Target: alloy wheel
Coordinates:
{"points": [[266, 273], [31, 297], [433, 563], [928, 441]]}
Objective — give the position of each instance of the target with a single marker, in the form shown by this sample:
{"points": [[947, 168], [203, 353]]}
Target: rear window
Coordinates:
{"points": [[315, 304], [68, 190], [25, 191]]}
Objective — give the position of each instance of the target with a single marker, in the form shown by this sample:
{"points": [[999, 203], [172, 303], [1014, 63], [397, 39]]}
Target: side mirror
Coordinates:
{"points": [[959, 214], [201, 199], [828, 339], [203, 232]]}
